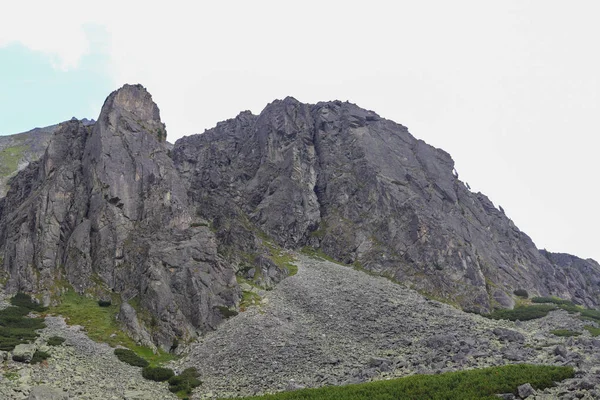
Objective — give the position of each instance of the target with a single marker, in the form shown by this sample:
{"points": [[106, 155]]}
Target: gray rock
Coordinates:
{"points": [[24, 352], [363, 190], [560, 350], [46, 392], [506, 396], [106, 202], [509, 335], [525, 391], [128, 317]]}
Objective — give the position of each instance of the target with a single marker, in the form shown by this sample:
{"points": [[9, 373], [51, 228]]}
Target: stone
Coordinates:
{"points": [[509, 335], [46, 392], [561, 350], [525, 390], [24, 352]]}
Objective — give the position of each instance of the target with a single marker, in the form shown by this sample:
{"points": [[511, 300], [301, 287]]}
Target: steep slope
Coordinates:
{"points": [[105, 210], [364, 191], [332, 325], [17, 151]]}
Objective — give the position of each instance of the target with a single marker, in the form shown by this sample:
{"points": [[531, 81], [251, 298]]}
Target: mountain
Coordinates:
{"points": [[111, 209], [364, 191]]}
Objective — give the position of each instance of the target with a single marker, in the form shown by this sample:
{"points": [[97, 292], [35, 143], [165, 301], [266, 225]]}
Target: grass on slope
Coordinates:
{"points": [[472, 384], [101, 325], [15, 326], [9, 159]]}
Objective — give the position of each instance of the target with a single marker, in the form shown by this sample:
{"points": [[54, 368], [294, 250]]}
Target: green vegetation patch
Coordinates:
{"points": [[130, 357], [101, 325], [56, 341], [9, 159], [184, 383], [592, 330], [521, 293], [226, 312], [25, 301], [472, 384], [158, 374], [522, 313], [564, 332], [249, 299], [39, 356], [282, 258], [553, 300], [15, 326]]}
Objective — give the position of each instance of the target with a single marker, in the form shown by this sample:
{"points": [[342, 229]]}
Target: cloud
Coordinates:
{"points": [[510, 89], [52, 28]]}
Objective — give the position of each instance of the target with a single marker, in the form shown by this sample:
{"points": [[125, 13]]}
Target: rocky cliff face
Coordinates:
{"points": [[111, 209], [105, 210], [364, 191]]}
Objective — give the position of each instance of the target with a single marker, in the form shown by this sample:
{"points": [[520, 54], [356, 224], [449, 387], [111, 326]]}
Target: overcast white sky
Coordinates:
{"points": [[509, 88]]}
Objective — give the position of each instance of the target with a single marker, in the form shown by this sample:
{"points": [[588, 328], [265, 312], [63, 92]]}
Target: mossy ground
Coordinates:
{"points": [[9, 159], [101, 325], [472, 384]]}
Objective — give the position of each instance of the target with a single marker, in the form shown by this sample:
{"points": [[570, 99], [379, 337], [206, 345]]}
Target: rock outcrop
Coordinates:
{"points": [[364, 191], [105, 210], [111, 207]]}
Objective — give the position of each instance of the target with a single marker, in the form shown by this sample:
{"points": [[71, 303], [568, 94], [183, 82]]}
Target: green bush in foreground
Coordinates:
{"points": [[523, 313], [15, 326], [158, 374], [104, 303], [24, 300], [564, 332], [184, 382], [39, 356], [56, 341], [472, 384], [129, 357], [521, 293], [552, 300]]}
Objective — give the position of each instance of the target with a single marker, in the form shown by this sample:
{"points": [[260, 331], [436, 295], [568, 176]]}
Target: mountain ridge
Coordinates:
{"points": [[111, 208]]}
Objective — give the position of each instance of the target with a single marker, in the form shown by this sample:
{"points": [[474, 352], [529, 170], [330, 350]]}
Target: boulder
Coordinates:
{"points": [[508, 335], [46, 392], [525, 390], [24, 352]]}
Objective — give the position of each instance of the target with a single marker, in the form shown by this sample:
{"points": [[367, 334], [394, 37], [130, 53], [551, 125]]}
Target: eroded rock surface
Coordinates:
{"points": [[105, 210], [364, 191]]}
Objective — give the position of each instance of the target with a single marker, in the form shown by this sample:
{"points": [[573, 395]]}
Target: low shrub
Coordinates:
{"points": [[104, 303], [472, 384], [226, 312], [521, 293], [590, 314], [523, 313], [158, 374], [56, 341], [592, 330], [184, 382], [564, 332], [24, 300], [553, 300], [39, 356], [129, 357], [15, 326]]}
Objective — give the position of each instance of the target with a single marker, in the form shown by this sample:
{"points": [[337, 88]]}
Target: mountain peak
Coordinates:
{"points": [[134, 100]]}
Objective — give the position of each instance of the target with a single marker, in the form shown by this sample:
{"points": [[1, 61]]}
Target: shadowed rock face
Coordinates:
{"points": [[105, 204], [363, 190], [112, 207]]}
